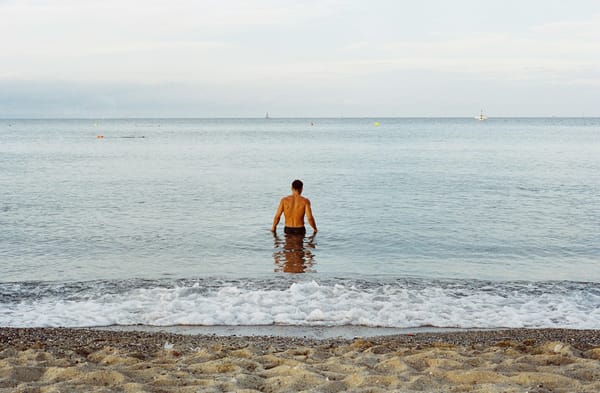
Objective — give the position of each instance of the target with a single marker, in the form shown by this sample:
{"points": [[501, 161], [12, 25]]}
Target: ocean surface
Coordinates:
{"points": [[445, 223]]}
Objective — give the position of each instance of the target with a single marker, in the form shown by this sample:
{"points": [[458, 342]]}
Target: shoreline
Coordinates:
{"points": [[583, 339], [297, 331], [96, 360]]}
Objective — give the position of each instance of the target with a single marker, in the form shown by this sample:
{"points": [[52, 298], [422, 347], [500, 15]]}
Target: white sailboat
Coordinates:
{"points": [[267, 116], [481, 116]]}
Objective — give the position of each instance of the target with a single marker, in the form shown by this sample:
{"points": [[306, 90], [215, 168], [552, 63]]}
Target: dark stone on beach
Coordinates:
{"points": [[84, 341]]}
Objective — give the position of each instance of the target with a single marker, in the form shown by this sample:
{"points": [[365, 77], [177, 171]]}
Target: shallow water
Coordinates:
{"points": [[429, 201]]}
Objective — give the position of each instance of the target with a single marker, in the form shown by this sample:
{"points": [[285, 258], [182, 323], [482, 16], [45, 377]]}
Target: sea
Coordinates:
{"points": [[437, 223]]}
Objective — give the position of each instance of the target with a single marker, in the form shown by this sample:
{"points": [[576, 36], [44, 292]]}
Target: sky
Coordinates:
{"points": [[322, 58]]}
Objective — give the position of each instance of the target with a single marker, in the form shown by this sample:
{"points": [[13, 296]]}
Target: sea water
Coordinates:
{"points": [[422, 222]]}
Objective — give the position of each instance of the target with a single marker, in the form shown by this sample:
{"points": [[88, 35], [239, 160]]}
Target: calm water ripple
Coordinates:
{"points": [[505, 199]]}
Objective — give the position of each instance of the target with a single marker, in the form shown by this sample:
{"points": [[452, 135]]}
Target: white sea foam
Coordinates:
{"points": [[317, 304]]}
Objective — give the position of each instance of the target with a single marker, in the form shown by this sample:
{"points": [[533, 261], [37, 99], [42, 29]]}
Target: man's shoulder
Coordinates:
{"points": [[305, 199], [286, 199], [292, 197]]}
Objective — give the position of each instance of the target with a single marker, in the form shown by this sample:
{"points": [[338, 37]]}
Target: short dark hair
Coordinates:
{"points": [[297, 185]]}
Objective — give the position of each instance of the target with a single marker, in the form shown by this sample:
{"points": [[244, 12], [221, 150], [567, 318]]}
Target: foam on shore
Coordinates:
{"points": [[404, 303]]}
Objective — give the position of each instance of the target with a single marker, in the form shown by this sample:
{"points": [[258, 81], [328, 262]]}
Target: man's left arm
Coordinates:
{"points": [[277, 216]]}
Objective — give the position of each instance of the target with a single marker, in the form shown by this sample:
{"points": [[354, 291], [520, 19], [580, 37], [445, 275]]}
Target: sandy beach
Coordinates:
{"points": [[82, 360]]}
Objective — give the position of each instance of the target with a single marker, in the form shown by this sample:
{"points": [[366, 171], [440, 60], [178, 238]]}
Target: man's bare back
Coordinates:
{"points": [[294, 207]]}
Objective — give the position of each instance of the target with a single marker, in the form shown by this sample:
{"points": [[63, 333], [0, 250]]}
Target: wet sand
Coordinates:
{"points": [[83, 360]]}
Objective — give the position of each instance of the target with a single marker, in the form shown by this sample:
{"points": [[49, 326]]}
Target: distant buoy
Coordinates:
{"points": [[99, 136], [376, 124]]}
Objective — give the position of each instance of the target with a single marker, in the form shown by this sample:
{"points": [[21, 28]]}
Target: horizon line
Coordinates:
{"points": [[289, 117]]}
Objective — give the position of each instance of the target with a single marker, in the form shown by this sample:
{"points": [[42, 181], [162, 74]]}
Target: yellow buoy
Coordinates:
{"points": [[376, 124]]}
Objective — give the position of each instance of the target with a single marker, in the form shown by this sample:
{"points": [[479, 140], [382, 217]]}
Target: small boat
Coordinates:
{"points": [[481, 116], [267, 116]]}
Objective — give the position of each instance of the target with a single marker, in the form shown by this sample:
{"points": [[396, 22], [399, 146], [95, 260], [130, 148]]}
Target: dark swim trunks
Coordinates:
{"points": [[295, 231]]}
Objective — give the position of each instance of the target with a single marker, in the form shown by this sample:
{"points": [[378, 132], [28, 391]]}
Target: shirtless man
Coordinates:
{"points": [[294, 207]]}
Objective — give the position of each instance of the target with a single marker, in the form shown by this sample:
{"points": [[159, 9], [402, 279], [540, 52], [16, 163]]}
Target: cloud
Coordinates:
{"points": [[150, 41], [280, 54], [588, 29], [557, 52]]}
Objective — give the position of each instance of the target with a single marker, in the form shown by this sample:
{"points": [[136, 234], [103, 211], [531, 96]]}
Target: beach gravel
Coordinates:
{"points": [[90, 360]]}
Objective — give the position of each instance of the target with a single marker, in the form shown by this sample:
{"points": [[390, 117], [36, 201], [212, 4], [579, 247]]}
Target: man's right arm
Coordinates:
{"points": [[310, 217]]}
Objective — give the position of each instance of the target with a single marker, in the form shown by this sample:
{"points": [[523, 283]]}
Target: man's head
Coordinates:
{"points": [[297, 186]]}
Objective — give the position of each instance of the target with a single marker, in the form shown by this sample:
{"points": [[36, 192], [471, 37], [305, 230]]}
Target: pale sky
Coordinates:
{"points": [[323, 58]]}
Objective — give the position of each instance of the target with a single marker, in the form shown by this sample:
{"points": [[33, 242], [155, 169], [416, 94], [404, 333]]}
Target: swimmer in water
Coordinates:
{"points": [[294, 207]]}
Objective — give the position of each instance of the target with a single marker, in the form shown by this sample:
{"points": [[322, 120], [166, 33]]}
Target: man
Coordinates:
{"points": [[295, 207]]}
